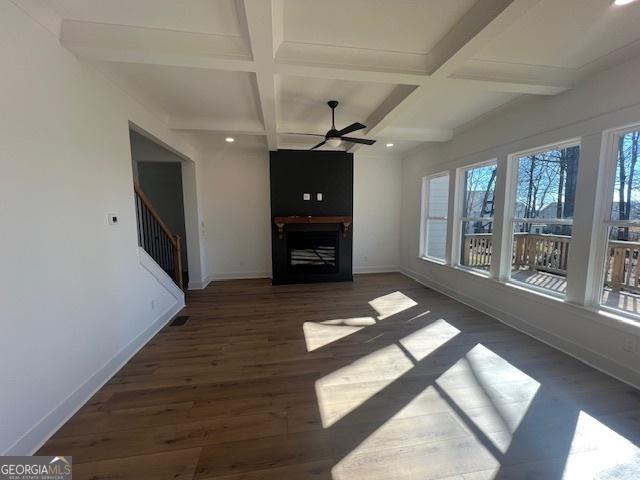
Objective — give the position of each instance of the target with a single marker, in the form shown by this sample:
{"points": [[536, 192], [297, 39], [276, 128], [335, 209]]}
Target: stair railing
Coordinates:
{"points": [[156, 238]]}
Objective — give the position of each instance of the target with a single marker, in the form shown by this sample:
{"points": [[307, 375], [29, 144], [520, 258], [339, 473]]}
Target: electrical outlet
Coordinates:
{"points": [[153, 304]]}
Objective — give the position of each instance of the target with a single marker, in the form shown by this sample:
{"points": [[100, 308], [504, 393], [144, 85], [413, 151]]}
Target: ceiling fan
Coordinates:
{"points": [[333, 137]]}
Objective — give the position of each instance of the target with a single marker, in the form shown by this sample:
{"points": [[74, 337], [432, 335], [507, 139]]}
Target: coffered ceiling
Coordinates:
{"points": [[413, 71]]}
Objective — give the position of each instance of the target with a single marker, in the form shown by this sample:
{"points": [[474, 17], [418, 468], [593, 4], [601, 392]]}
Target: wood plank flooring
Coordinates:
{"points": [[376, 379]]}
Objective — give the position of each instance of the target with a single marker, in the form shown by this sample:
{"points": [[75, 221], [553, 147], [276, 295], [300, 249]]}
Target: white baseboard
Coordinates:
{"points": [[376, 269], [199, 285], [31, 441], [585, 355], [217, 276]]}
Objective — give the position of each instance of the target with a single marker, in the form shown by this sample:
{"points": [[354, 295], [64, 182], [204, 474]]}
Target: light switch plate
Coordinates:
{"points": [[306, 196], [112, 218], [319, 197]]}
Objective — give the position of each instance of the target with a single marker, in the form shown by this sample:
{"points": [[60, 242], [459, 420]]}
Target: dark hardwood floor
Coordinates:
{"points": [[376, 379]]}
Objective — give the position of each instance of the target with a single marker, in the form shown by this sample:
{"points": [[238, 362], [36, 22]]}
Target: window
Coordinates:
{"points": [[545, 192], [436, 195], [477, 216], [621, 286]]}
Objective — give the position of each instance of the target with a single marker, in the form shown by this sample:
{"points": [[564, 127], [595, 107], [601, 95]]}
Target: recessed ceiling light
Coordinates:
{"points": [[619, 3], [229, 139], [389, 145]]}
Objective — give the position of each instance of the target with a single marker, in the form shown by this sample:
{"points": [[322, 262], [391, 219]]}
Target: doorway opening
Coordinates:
{"points": [[157, 176]]}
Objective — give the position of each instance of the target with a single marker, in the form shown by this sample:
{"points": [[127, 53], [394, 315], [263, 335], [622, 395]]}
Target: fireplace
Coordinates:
{"points": [[311, 249], [312, 252], [311, 216]]}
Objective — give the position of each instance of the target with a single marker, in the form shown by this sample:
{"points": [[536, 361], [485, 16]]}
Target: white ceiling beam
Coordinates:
{"points": [[277, 15], [262, 22], [480, 24], [351, 57], [141, 45], [388, 110], [259, 18], [128, 44], [215, 126], [488, 81], [333, 72]]}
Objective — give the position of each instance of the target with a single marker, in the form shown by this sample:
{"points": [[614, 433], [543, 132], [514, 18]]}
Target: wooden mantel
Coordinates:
{"points": [[282, 221]]}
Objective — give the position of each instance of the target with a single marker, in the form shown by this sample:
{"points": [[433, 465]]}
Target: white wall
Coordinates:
{"points": [[376, 213], [75, 300], [236, 208], [237, 212], [608, 100]]}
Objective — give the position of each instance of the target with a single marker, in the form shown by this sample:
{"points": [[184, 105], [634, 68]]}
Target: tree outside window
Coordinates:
{"points": [[543, 217]]}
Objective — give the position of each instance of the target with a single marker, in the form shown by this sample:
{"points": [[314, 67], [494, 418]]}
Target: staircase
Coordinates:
{"points": [[156, 239]]}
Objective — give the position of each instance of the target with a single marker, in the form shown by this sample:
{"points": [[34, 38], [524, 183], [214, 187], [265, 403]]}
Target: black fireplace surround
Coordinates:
{"points": [[311, 252]]}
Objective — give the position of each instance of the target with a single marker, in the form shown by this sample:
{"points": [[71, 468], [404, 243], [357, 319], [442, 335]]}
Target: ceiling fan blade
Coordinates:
{"points": [[318, 145], [351, 128], [305, 134], [364, 141]]}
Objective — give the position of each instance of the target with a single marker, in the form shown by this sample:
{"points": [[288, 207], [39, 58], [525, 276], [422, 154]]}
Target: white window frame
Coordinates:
{"points": [[425, 217], [460, 189], [609, 160], [512, 190]]}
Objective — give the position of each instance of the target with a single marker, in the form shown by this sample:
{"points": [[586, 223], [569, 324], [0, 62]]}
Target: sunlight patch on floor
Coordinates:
{"points": [[317, 335], [597, 448], [490, 393], [463, 423], [428, 339], [391, 304], [347, 388], [424, 439]]}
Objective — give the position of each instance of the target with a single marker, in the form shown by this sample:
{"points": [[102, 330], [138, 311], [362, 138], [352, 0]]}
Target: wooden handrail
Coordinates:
{"points": [[624, 243], [170, 261], [147, 203], [549, 253]]}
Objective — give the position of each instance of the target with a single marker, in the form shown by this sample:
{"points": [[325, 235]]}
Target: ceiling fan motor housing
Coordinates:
{"points": [[333, 133], [335, 137]]}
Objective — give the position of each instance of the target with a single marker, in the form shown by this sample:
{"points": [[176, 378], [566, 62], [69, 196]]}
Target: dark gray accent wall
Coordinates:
{"points": [[294, 173]]}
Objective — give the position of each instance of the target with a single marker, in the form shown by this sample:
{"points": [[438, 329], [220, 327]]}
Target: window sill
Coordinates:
{"points": [[523, 287], [628, 323], [437, 261], [609, 317], [473, 271]]}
